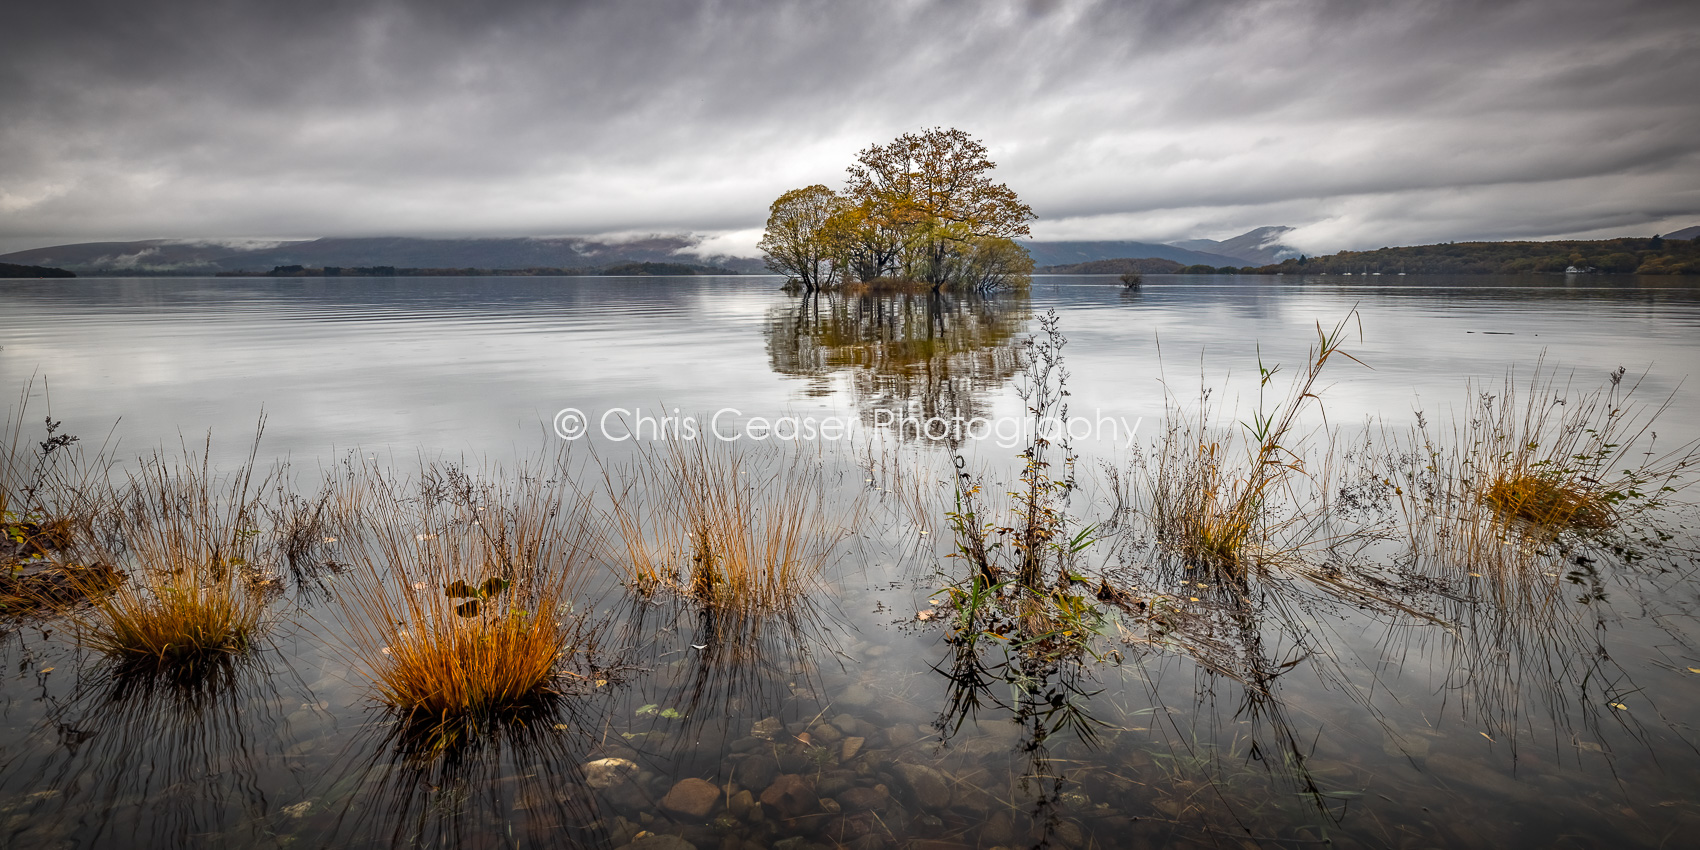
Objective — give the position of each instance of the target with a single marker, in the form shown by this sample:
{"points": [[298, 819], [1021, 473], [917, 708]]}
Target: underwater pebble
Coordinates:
{"points": [[789, 796], [740, 804], [863, 799], [605, 773], [851, 747], [766, 728], [848, 724], [691, 797], [929, 787], [856, 695]]}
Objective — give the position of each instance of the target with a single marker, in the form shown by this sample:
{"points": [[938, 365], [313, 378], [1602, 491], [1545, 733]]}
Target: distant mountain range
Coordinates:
{"points": [[1258, 247], [1073, 253], [192, 256]]}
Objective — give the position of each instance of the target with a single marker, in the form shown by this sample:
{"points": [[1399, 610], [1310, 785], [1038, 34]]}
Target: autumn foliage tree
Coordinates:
{"points": [[795, 242], [921, 208]]}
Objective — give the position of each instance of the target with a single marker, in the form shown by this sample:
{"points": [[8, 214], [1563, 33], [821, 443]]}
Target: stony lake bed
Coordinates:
{"points": [[1344, 691]]}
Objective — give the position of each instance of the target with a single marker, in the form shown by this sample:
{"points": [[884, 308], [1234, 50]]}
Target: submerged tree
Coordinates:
{"points": [[795, 241], [944, 178], [921, 208]]}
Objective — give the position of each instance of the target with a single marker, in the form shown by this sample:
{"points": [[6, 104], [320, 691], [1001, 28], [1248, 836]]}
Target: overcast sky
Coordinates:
{"points": [[1364, 124]]}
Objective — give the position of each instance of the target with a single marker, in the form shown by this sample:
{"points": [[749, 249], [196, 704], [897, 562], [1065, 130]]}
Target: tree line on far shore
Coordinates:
{"points": [[921, 211], [1630, 255]]}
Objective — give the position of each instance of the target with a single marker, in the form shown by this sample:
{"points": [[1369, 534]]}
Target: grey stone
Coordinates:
{"points": [[930, 788], [766, 728], [849, 725], [757, 771]]}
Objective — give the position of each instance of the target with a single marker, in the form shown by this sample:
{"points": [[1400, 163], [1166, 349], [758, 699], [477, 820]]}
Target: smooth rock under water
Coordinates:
{"points": [[606, 773], [691, 797]]}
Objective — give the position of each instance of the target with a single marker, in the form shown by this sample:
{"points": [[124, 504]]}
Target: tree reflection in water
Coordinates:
{"points": [[907, 354]]}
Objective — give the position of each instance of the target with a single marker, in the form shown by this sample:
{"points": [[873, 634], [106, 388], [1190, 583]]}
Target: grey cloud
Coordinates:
{"points": [[1117, 120]]}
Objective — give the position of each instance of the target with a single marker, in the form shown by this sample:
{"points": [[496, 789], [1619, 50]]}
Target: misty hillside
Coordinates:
{"points": [[1071, 253], [172, 256], [1260, 246]]}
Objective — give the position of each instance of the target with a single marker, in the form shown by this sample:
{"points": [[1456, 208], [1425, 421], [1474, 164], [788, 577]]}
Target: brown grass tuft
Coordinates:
{"points": [[448, 666], [186, 538], [458, 598], [1548, 503]]}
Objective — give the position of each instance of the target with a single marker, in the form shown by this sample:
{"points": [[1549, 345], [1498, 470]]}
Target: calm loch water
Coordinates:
{"points": [[1335, 723]]}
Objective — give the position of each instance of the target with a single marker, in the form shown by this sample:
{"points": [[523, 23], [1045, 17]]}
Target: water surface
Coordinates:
{"points": [[1337, 724]]}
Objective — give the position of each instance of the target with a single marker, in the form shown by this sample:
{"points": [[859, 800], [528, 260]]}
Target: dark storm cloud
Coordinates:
{"points": [[1366, 124]]}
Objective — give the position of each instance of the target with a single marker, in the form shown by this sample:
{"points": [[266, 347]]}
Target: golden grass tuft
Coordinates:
{"points": [[186, 539], [458, 598], [180, 619], [448, 666], [1532, 465], [1547, 503]]}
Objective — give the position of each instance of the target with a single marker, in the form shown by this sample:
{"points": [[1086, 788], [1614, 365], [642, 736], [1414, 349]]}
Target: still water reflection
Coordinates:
{"points": [[1285, 713]]}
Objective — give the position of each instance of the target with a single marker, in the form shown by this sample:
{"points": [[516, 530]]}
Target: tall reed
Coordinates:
{"points": [[1211, 494], [52, 494], [733, 528]]}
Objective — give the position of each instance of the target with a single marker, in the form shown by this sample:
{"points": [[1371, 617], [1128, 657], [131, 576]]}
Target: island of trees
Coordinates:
{"points": [[921, 211], [15, 270]]}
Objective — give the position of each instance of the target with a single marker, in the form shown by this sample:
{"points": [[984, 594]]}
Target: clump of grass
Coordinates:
{"points": [[1548, 502], [457, 599], [1538, 469], [443, 668], [186, 539], [731, 528], [51, 496], [172, 621]]}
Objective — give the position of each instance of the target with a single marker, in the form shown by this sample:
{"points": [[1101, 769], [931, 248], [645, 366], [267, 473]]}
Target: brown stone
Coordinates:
{"points": [[790, 796], [693, 798], [740, 804], [852, 746]]}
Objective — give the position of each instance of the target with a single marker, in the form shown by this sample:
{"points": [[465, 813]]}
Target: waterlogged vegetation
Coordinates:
{"points": [[1263, 626]]}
